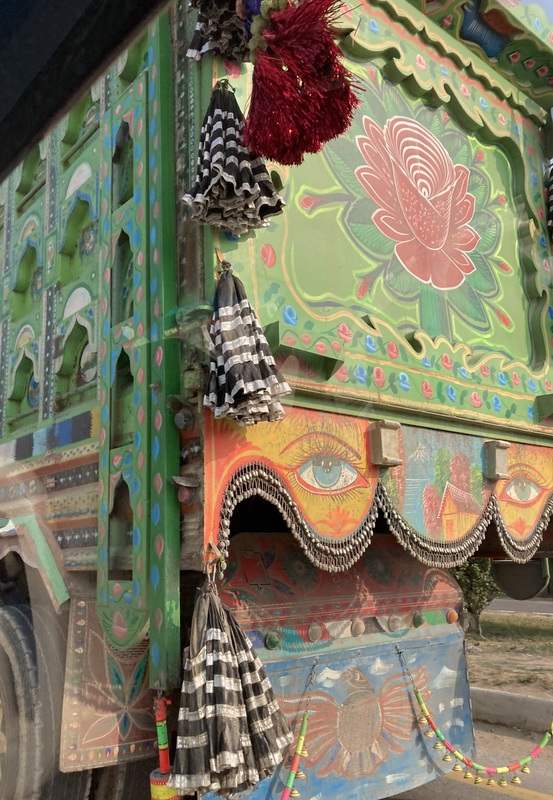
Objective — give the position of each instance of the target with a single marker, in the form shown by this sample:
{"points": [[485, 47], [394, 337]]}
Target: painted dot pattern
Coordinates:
{"points": [[123, 603]]}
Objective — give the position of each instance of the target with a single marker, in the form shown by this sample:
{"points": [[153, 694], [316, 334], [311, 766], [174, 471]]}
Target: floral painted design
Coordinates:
{"points": [[417, 200], [423, 202]]}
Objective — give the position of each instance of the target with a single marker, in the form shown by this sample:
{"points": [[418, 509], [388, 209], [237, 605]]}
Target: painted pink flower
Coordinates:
{"points": [[485, 370], [475, 400], [424, 205], [465, 90], [446, 361], [392, 349], [426, 389], [306, 338], [342, 374], [320, 347], [515, 377], [421, 63], [344, 332], [548, 386], [336, 346], [379, 376]]}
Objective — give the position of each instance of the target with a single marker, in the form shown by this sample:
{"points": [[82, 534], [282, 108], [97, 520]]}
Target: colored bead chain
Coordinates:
{"points": [[481, 771], [299, 753]]}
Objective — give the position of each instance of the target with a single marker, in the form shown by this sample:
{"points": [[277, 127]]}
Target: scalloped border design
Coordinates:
{"points": [[331, 555]]}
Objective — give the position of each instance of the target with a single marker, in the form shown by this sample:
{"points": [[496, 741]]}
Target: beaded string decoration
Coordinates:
{"points": [[299, 752], [493, 775]]}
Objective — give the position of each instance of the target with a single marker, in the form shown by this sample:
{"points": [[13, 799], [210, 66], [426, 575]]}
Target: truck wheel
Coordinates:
{"points": [[30, 709], [123, 782]]}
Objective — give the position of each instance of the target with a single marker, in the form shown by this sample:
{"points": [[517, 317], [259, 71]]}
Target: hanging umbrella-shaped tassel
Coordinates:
{"points": [[244, 382], [230, 732], [192, 769], [232, 189], [266, 726], [220, 29]]}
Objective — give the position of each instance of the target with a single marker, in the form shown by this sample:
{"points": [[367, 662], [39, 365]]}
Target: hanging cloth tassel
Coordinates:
{"points": [[244, 382], [220, 29], [231, 733], [302, 94], [232, 189]]}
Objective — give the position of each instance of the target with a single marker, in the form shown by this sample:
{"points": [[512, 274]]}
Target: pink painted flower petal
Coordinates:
{"points": [[416, 259], [427, 225], [391, 226], [377, 187], [463, 211], [464, 238], [460, 259], [462, 175]]}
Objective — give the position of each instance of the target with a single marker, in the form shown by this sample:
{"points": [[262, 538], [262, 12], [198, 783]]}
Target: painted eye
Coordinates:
{"points": [[522, 490], [326, 472]]}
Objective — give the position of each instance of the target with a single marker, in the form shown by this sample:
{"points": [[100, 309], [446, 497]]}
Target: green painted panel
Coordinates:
{"points": [[124, 357], [432, 299]]}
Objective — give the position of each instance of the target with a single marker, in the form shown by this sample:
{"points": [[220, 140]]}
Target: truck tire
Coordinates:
{"points": [[30, 711], [123, 782]]}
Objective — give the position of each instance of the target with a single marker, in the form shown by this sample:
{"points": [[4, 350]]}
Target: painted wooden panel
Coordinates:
{"points": [[329, 643], [431, 299], [316, 468]]}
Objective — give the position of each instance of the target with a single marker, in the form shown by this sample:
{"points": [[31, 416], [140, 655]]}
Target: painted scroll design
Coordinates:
{"points": [[417, 366], [432, 25], [255, 479]]}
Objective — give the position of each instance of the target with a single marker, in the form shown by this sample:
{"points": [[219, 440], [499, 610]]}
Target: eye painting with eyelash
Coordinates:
{"points": [[323, 466], [523, 488]]}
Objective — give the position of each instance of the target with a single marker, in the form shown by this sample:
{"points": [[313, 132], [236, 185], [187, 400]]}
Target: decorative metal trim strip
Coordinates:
{"points": [[522, 551], [338, 556], [48, 375], [328, 554]]}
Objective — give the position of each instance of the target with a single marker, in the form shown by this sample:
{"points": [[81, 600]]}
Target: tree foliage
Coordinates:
{"points": [[479, 588]]}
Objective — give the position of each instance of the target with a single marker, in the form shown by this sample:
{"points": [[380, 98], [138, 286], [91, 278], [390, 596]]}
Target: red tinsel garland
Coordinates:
{"points": [[302, 94]]}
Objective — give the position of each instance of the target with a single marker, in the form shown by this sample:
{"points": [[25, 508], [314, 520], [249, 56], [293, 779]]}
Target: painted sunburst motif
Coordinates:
{"points": [[351, 739]]}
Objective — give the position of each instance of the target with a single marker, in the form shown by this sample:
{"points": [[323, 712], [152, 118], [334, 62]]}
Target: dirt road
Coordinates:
{"points": [[495, 746]]}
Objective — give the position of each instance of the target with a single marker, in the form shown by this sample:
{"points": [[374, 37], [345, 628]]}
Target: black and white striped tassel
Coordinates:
{"points": [[219, 30], [232, 189], [244, 382], [231, 733]]}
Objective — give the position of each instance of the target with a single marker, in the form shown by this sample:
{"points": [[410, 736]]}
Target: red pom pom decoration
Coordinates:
{"points": [[302, 94]]}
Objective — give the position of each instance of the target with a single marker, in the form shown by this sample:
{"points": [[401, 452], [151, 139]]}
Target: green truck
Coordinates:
{"points": [[416, 334]]}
